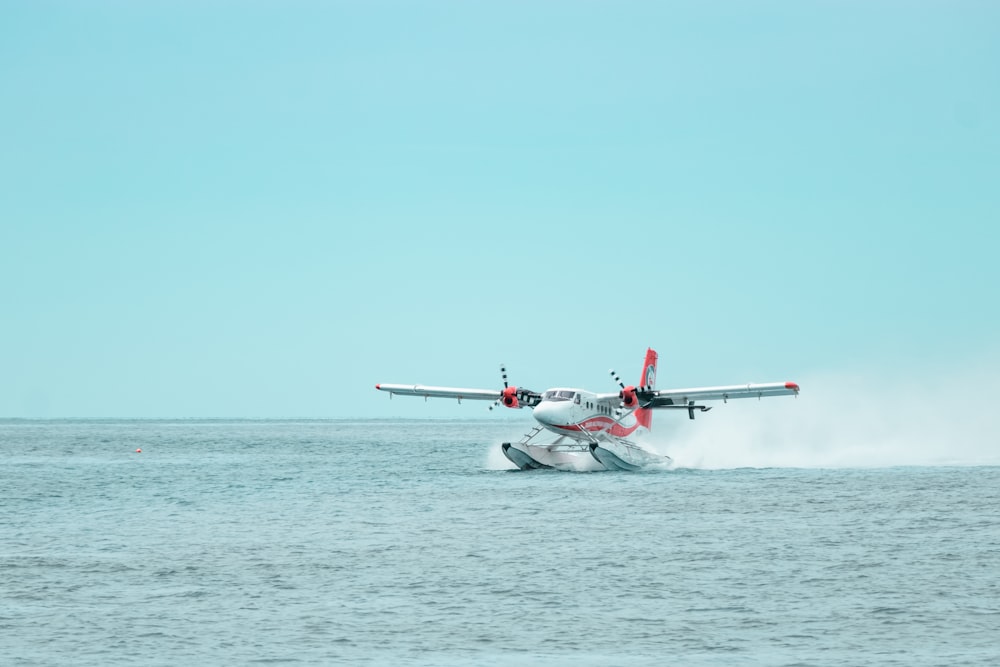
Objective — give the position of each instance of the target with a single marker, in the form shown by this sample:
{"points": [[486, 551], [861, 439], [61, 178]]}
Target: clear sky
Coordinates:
{"points": [[261, 209]]}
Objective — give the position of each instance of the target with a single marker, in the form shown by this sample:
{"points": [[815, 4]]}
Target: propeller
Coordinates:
{"points": [[627, 394], [509, 395]]}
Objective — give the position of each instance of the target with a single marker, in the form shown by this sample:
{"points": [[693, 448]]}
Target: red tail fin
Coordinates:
{"points": [[647, 381]]}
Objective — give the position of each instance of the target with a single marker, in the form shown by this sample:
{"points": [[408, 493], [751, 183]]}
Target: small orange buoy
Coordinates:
{"points": [[138, 451]]}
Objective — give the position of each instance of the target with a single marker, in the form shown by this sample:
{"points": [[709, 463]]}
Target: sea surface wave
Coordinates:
{"points": [[413, 543]]}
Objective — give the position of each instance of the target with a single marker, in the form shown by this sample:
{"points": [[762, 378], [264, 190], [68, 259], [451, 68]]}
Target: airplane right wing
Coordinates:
{"points": [[441, 392], [511, 397]]}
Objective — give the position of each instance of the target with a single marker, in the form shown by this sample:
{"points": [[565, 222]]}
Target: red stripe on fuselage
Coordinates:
{"points": [[599, 425]]}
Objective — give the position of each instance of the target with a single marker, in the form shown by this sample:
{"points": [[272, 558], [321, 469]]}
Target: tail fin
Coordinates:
{"points": [[648, 381]]}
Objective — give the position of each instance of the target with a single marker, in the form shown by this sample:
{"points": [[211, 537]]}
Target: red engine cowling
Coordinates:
{"points": [[509, 397], [628, 396]]}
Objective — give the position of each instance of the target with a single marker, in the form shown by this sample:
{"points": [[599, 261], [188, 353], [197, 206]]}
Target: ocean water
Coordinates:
{"points": [[412, 543]]}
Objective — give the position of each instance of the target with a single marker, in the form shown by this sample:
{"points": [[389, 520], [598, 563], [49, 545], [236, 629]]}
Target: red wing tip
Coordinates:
{"points": [[378, 386], [792, 386]]}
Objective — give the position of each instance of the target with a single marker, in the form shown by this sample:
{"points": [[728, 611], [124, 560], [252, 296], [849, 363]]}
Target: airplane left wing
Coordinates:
{"points": [[684, 399], [665, 398]]}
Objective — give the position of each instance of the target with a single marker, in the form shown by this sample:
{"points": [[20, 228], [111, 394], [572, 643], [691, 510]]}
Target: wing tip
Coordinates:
{"points": [[791, 385]]}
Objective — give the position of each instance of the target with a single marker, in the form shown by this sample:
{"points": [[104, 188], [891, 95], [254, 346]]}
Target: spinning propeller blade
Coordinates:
{"points": [[503, 374], [621, 404]]}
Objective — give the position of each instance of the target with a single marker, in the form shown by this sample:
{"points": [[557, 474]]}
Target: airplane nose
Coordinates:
{"points": [[543, 413], [551, 414]]}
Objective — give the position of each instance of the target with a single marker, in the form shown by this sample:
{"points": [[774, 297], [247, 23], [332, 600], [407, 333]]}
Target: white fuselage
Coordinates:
{"points": [[584, 415]]}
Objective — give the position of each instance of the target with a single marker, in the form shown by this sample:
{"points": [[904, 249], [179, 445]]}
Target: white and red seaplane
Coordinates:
{"points": [[595, 431]]}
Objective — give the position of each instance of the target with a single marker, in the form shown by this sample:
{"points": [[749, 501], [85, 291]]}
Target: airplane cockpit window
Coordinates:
{"points": [[560, 395]]}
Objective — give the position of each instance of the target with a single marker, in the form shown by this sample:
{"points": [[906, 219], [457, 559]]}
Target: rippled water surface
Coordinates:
{"points": [[349, 542]]}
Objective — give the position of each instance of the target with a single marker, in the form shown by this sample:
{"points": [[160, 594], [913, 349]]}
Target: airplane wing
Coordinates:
{"points": [[511, 397], [684, 399], [667, 398], [441, 392]]}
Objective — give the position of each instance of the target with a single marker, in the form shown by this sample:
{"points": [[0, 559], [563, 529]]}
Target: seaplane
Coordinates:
{"points": [[594, 431]]}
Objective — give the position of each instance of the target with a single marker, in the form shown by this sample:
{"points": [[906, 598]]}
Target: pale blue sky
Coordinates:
{"points": [[261, 209]]}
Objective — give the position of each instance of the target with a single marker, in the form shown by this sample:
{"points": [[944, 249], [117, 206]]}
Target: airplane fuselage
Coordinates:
{"points": [[583, 415]]}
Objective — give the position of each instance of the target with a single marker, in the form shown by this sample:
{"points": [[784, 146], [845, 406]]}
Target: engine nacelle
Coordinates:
{"points": [[628, 396], [509, 397]]}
